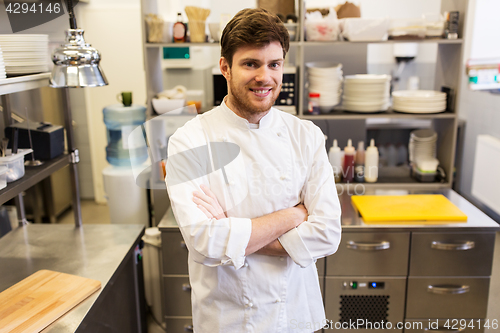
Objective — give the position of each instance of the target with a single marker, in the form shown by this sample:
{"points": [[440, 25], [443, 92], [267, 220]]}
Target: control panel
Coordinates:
{"points": [[362, 285]]}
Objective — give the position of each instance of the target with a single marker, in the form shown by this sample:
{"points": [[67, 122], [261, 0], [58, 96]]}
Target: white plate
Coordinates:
{"points": [[378, 108], [367, 78], [419, 110], [419, 94]]}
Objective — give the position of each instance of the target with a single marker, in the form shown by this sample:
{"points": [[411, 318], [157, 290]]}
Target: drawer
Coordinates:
{"points": [[446, 298], [177, 296], [179, 325], [451, 254], [175, 253], [370, 254], [343, 303], [444, 325]]}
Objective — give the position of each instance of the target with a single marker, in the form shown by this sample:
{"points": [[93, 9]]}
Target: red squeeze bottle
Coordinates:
{"points": [[349, 154]]}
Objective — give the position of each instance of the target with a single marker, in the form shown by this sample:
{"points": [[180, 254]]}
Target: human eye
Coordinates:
{"points": [[249, 64], [275, 65]]}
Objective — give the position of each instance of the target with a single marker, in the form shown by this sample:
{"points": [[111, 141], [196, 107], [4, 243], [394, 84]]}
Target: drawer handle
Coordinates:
{"points": [[453, 246], [183, 245], [448, 289], [443, 330], [368, 246], [186, 287], [188, 328]]}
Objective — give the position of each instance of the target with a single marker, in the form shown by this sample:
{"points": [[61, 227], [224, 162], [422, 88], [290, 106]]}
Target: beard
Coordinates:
{"points": [[243, 103]]}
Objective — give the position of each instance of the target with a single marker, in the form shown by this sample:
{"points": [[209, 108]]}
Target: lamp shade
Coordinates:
{"points": [[76, 64]]}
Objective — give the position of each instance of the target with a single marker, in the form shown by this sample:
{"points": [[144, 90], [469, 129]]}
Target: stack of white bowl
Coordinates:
{"points": [[419, 101], [422, 144], [366, 93], [25, 54], [325, 78], [3, 74]]}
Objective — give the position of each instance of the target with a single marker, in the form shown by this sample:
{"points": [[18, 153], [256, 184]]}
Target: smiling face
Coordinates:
{"points": [[254, 80]]}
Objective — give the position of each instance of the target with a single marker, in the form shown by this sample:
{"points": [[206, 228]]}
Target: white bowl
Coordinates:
{"points": [[367, 78], [323, 67], [172, 106]]}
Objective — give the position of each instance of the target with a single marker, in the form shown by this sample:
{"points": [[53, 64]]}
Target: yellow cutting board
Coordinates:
{"points": [[415, 208], [34, 303]]}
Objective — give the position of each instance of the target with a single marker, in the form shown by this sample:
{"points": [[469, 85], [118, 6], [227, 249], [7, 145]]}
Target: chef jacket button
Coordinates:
{"points": [[283, 177], [224, 139], [281, 258], [278, 134], [250, 305], [246, 264], [278, 301], [231, 183]]}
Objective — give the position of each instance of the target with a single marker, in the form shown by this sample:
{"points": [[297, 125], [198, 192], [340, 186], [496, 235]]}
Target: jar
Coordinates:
{"points": [[314, 103]]}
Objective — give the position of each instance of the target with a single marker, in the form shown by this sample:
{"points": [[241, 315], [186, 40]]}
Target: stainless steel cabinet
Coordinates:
{"points": [[401, 277], [371, 254]]}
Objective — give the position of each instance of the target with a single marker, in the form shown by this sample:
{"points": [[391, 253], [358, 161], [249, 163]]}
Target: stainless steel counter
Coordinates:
{"points": [[352, 222], [92, 251]]}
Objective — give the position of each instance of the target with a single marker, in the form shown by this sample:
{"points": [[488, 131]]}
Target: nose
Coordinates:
{"points": [[263, 75]]}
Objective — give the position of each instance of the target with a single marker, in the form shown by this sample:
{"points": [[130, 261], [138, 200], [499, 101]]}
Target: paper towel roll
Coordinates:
{"points": [[127, 202]]}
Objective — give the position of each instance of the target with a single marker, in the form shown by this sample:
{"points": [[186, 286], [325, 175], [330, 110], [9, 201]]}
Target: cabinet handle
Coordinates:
{"points": [[186, 287], [453, 246], [448, 289], [443, 330], [368, 246], [188, 328], [183, 245]]}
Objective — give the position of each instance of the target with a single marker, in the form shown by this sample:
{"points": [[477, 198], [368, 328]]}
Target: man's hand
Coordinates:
{"points": [[208, 203]]}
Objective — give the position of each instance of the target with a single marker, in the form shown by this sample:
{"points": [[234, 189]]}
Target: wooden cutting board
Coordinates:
{"points": [[414, 208], [34, 303]]}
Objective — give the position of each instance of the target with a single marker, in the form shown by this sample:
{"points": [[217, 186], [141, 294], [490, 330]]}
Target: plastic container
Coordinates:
{"points": [[313, 106], [152, 276], [407, 29], [14, 164], [120, 121], [359, 169], [335, 158], [371, 163], [356, 29], [349, 155], [3, 177]]}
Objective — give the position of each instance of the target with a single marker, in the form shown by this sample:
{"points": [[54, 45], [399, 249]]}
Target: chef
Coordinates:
{"points": [[253, 193]]}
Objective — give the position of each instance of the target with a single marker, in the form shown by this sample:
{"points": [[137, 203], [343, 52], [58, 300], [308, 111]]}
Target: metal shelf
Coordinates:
{"points": [[22, 83], [32, 176], [339, 114], [153, 45], [423, 41]]}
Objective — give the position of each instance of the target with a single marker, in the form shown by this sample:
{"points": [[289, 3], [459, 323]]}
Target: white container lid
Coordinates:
{"points": [[3, 169], [10, 158]]}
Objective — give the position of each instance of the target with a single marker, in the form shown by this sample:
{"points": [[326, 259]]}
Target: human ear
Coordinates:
{"points": [[224, 68]]}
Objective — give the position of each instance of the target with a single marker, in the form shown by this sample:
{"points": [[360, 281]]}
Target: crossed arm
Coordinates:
{"points": [[265, 229]]}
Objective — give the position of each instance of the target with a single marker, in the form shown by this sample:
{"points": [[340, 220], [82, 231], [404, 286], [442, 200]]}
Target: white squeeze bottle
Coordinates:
{"points": [[371, 163], [335, 157]]}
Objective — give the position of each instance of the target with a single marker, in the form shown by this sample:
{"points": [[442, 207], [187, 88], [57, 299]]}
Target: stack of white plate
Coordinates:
{"points": [[422, 144], [25, 54], [419, 101], [366, 93], [3, 74], [325, 78]]}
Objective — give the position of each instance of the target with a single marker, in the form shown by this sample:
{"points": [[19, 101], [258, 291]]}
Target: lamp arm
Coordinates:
{"points": [[72, 18]]}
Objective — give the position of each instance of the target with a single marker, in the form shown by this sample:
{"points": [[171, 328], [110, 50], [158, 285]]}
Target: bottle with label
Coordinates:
{"points": [[313, 103], [179, 30], [349, 154], [371, 163], [359, 169], [335, 157]]}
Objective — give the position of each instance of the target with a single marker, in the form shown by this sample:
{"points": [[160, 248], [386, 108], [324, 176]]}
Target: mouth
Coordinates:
{"points": [[261, 92]]}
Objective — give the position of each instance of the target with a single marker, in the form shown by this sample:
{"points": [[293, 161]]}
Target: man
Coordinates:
{"points": [[253, 193]]}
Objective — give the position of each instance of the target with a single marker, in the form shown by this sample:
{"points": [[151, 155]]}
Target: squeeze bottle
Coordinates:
{"points": [[371, 163], [335, 157], [349, 153]]}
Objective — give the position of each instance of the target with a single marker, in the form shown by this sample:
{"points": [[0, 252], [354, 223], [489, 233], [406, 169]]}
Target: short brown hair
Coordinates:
{"points": [[256, 27]]}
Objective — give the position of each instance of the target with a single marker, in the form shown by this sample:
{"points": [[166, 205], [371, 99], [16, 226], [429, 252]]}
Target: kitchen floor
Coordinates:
{"points": [[93, 213]]}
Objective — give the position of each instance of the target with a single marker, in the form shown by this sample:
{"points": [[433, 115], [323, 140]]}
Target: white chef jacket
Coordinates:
{"points": [[278, 165]]}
